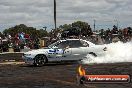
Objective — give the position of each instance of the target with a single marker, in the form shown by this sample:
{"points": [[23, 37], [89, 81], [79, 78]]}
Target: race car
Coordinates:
{"points": [[63, 50]]}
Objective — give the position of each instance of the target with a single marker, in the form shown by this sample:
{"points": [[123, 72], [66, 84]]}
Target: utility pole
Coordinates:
{"points": [[45, 28], [55, 13], [117, 23], [94, 25]]}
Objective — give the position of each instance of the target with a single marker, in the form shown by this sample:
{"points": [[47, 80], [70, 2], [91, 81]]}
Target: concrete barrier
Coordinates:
{"points": [[11, 57]]}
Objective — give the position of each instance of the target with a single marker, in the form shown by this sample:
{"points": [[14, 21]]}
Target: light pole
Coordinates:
{"points": [[94, 24], [55, 13], [45, 28], [117, 23]]}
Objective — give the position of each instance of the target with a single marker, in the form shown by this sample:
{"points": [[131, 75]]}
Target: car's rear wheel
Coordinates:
{"points": [[40, 60]]}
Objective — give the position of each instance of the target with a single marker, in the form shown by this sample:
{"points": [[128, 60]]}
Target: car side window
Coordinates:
{"points": [[85, 44], [75, 44], [62, 44]]}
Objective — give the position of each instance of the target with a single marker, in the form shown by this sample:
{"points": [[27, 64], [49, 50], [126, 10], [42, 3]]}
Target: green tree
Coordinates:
{"points": [[1, 35], [65, 26], [77, 28], [43, 33], [84, 26], [33, 32]]}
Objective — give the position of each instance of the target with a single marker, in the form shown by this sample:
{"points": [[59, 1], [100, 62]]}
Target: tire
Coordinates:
{"points": [[93, 54], [40, 60]]}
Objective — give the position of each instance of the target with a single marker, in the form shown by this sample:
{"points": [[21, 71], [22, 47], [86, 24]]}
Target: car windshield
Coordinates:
{"points": [[54, 44]]}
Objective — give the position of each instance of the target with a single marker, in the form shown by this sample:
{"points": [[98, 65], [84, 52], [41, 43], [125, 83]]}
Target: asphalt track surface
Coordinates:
{"points": [[58, 75]]}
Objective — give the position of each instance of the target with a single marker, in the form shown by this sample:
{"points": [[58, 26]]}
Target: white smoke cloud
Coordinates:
{"points": [[116, 53]]}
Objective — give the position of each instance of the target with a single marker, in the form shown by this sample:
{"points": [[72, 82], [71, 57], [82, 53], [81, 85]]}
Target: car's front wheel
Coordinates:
{"points": [[40, 60]]}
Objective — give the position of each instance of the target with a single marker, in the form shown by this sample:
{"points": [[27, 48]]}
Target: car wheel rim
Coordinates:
{"points": [[40, 61]]}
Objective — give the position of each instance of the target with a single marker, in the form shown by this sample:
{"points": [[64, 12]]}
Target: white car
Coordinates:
{"points": [[63, 50]]}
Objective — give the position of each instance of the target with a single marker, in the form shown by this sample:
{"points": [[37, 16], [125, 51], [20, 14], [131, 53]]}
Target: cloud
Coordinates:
{"points": [[40, 12]]}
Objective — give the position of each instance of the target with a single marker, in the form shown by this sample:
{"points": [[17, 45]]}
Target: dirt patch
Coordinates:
{"points": [[58, 75]]}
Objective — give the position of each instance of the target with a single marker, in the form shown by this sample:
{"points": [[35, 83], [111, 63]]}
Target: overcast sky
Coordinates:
{"points": [[39, 13]]}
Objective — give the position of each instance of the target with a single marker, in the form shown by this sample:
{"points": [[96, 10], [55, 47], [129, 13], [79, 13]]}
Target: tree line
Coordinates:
{"points": [[75, 28]]}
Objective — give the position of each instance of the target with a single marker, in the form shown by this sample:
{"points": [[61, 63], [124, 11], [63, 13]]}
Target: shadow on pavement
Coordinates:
{"points": [[53, 64]]}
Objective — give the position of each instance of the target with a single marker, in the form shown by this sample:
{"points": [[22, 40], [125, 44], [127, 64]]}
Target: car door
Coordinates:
{"points": [[78, 50], [63, 52], [85, 47]]}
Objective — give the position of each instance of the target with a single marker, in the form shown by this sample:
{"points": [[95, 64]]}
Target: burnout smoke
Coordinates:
{"points": [[116, 53]]}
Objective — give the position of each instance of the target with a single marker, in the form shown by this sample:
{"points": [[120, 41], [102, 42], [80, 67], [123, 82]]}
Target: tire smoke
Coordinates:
{"points": [[116, 53]]}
